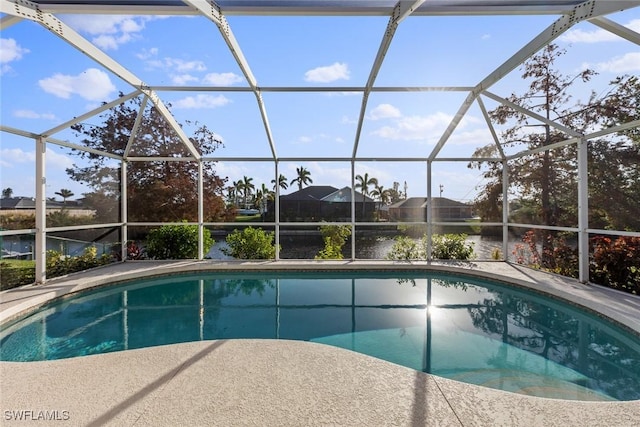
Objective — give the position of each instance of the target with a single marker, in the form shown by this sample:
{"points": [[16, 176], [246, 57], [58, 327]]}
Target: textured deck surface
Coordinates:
{"points": [[280, 383]]}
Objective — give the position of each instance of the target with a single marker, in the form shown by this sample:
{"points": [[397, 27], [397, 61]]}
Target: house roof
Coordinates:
{"points": [[313, 192], [325, 193], [30, 203]]}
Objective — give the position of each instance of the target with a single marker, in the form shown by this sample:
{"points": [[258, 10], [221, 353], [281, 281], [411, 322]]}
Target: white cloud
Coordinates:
{"points": [[30, 114], [596, 36], [92, 84], [412, 128], [16, 157], [305, 139], [222, 79], [183, 79], [10, 51], [57, 161], [110, 42], [202, 101], [629, 62], [183, 66], [477, 137], [109, 31], [328, 74], [12, 157], [147, 53], [384, 111]]}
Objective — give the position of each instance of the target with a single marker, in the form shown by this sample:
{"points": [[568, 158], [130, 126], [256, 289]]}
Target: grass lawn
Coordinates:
{"points": [[248, 218], [16, 272]]}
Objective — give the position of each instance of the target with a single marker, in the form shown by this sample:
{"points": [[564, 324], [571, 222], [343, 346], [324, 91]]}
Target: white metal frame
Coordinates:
{"points": [[569, 13]]}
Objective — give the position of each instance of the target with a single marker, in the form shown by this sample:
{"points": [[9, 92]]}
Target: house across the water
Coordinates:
{"points": [[443, 209], [325, 203]]}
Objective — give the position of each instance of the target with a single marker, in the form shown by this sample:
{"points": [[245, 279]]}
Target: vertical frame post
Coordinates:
{"points": [[583, 211], [505, 210], [40, 250], [353, 209], [123, 210], [277, 208], [429, 209], [200, 210]]}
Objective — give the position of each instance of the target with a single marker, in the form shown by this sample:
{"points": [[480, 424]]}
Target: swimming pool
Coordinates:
{"points": [[457, 327]]}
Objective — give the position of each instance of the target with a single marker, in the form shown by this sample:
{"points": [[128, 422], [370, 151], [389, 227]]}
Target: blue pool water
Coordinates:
{"points": [[456, 327]]}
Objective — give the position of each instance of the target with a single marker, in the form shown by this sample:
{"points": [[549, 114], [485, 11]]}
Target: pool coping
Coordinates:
{"points": [[197, 383]]}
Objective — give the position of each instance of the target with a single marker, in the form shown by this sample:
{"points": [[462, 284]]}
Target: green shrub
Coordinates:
{"points": [[405, 248], [177, 242], [59, 265], [444, 246], [451, 246], [334, 237], [250, 243]]}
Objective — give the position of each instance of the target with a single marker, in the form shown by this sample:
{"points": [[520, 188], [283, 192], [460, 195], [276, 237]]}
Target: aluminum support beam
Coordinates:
{"points": [[531, 114], [277, 208], [353, 209], [8, 20], [136, 126], [40, 250], [211, 10], [30, 10], [617, 29], [90, 114], [586, 10], [124, 209], [323, 8], [399, 13], [429, 210], [583, 211], [505, 210], [492, 129], [201, 253]]}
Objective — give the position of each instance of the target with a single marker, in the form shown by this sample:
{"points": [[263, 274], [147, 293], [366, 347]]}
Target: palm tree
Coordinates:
{"points": [[304, 177], [263, 194], [247, 188], [65, 194], [282, 183], [383, 195], [7, 193], [237, 190], [363, 184]]}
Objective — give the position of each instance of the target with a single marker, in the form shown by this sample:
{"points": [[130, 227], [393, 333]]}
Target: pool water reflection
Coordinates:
{"points": [[456, 327]]}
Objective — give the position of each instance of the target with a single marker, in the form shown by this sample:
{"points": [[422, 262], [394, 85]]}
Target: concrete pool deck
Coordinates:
{"points": [[279, 382]]}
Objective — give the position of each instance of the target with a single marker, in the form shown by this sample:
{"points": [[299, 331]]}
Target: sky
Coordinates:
{"points": [[46, 82]]}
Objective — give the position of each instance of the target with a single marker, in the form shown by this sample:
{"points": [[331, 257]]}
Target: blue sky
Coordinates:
{"points": [[46, 82]]}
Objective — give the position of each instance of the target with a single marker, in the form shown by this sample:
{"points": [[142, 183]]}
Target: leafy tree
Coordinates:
{"points": [[547, 179], [7, 193], [65, 194], [157, 190], [303, 178], [176, 242], [614, 164]]}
